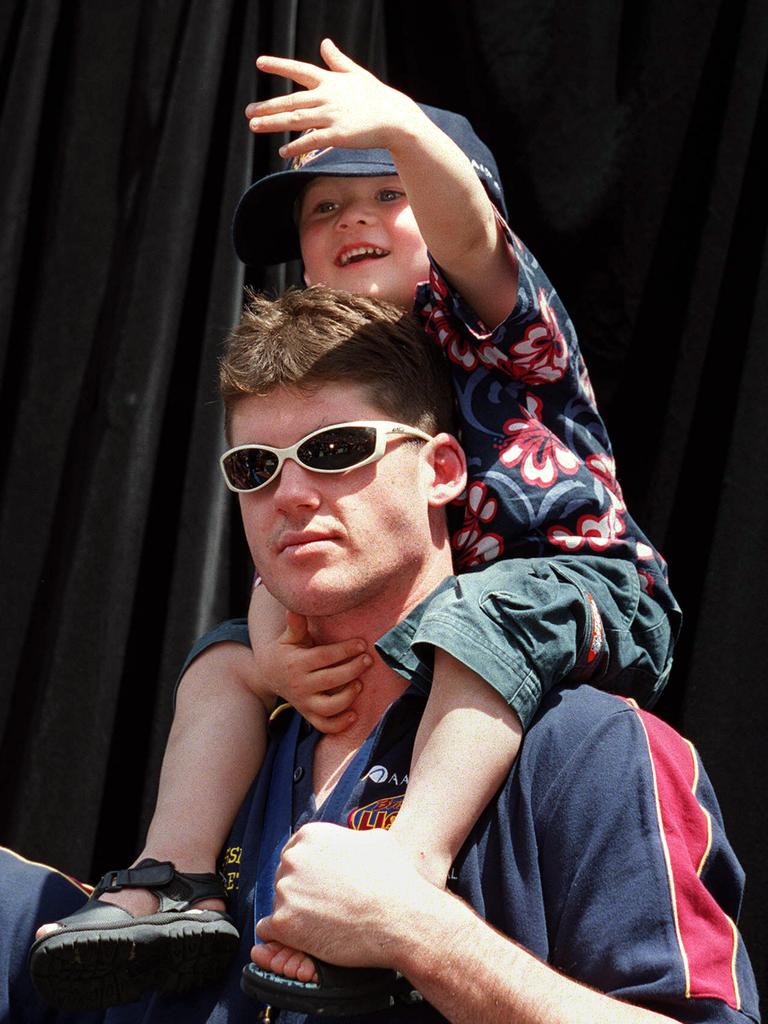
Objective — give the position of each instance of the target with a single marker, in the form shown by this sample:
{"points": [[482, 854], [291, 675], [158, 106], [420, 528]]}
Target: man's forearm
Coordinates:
{"points": [[355, 899], [470, 972]]}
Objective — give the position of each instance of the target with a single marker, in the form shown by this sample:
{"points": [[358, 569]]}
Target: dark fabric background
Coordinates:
{"points": [[628, 137]]}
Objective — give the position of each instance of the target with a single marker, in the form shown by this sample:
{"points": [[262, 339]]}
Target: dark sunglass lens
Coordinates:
{"points": [[338, 448], [250, 468]]}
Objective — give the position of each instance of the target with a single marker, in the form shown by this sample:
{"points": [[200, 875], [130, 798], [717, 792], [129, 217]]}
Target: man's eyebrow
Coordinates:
{"points": [[320, 426]]}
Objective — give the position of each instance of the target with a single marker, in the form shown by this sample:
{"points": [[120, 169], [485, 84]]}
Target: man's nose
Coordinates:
{"points": [[296, 487]]}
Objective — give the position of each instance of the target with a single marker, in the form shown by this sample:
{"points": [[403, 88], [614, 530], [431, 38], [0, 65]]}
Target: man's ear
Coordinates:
{"points": [[449, 467]]}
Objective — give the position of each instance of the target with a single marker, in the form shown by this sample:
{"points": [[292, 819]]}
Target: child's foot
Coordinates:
{"points": [[105, 954], [286, 978], [138, 903], [298, 966], [290, 963]]}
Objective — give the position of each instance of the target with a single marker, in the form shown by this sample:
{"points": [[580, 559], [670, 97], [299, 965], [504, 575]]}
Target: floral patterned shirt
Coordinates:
{"points": [[542, 476]]}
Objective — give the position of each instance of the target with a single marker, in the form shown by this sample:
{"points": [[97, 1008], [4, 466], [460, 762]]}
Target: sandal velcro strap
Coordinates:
{"points": [[146, 875], [174, 890]]}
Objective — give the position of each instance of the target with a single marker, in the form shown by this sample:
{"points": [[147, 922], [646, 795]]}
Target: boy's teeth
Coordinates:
{"points": [[359, 252]]}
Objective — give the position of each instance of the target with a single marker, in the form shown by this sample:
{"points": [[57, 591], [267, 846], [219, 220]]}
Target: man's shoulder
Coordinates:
{"points": [[570, 711], [599, 732], [590, 748]]}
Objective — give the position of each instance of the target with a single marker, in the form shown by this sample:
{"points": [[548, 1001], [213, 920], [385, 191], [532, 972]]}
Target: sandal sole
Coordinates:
{"points": [[106, 967], [361, 991]]}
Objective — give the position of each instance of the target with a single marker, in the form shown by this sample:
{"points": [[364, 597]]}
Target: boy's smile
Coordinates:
{"points": [[359, 234], [356, 253]]}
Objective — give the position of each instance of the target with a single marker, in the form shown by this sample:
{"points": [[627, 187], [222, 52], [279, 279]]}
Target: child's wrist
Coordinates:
{"points": [[407, 127]]}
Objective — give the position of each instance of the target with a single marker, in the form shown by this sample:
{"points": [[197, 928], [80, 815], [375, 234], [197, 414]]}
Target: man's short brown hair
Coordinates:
{"points": [[319, 335]]}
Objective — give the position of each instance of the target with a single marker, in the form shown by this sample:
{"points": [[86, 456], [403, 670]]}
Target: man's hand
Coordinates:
{"points": [[354, 899], [320, 681], [342, 104], [346, 897]]}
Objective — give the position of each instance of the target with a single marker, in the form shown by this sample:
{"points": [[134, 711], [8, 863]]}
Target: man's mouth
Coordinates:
{"points": [[295, 540], [358, 253]]}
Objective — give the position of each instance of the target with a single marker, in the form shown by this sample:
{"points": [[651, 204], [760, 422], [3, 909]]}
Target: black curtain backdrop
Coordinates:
{"points": [[629, 141]]}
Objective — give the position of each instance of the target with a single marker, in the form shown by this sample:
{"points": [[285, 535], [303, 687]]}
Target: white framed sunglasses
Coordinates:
{"points": [[333, 449]]}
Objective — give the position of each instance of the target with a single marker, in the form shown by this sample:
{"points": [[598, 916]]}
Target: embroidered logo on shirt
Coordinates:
{"points": [[379, 814], [378, 773]]}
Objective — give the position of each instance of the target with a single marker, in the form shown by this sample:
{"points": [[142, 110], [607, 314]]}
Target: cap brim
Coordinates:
{"points": [[263, 229]]}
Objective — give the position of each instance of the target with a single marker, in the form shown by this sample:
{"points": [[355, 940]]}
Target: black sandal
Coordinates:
{"points": [[102, 956], [339, 991]]}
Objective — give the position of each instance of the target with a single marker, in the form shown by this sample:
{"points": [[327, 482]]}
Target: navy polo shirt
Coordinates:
{"points": [[604, 854]]}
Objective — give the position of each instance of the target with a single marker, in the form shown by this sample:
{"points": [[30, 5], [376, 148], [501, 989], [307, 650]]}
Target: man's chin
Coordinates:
{"points": [[314, 597]]}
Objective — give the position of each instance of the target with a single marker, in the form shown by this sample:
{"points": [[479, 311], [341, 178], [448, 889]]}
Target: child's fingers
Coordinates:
{"points": [[308, 75], [333, 725], [330, 712], [305, 683], [335, 59], [325, 655], [330, 704], [296, 630], [289, 121], [318, 139], [279, 104], [325, 679]]}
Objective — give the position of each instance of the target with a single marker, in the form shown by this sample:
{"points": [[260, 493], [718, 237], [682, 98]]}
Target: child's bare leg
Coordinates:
{"points": [[467, 741], [215, 746]]}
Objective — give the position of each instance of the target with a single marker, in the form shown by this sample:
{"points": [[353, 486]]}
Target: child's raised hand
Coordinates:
{"points": [[320, 681], [342, 104]]}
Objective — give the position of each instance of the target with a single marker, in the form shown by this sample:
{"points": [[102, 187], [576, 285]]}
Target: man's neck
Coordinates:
{"points": [[381, 684], [381, 687]]}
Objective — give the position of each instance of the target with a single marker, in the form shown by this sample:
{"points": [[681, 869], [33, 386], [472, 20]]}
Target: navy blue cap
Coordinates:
{"points": [[264, 230]]}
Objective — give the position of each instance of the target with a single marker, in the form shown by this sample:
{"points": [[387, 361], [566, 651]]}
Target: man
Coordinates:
{"points": [[605, 882]]}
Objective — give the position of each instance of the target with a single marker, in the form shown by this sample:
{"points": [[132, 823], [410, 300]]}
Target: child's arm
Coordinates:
{"points": [[347, 106]]}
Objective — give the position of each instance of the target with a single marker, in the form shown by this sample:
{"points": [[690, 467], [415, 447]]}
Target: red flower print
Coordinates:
{"points": [[473, 547], [438, 326], [541, 356], [597, 532], [586, 383], [604, 468], [478, 549], [492, 356], [539, 453]]}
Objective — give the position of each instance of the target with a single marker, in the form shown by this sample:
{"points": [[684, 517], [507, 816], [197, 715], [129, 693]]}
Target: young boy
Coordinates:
{"points": [[389, 199]]}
